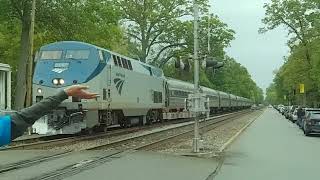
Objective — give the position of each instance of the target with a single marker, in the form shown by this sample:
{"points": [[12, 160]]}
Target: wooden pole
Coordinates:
{"points": [[30, 54]]}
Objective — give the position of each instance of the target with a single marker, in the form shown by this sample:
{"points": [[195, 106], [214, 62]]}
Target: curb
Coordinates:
{"points": [[233, 138]]}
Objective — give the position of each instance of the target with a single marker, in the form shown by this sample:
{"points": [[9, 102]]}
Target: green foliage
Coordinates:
{"points": [[91, 21], [156, 32], [160, 36], [302, 19], [155, 25]]}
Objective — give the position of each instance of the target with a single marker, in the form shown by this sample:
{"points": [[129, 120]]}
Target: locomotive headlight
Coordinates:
{"points": [[55, 81], [61, 81], [39, 90]]}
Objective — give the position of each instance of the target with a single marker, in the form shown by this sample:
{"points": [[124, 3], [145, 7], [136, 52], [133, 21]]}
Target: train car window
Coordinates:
{"points": [[124, 63], [129, 64], [115, 60], [157, 97], [78, 54], [51, 55], [119, 61], [156, 72], [171, 93], [148, 68]]}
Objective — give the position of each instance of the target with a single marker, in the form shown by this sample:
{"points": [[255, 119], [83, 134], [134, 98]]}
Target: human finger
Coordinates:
{"points": [[81, 87]]}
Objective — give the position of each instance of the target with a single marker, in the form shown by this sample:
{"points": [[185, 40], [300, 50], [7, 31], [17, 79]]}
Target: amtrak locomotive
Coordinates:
{"points": [[131, 92]]}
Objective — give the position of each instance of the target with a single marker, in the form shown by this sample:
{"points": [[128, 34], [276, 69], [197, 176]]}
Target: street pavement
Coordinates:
{"points": [[272, 148]]}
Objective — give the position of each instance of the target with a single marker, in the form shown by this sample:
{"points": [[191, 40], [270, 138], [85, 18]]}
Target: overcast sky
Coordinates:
{"points": [[259, 53]]}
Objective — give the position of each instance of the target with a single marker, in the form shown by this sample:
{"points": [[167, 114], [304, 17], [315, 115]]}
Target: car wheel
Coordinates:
{"points": [[307, 133], [305, 130]]}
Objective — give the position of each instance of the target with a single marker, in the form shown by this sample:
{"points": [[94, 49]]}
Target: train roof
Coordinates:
{"points": [[178, 84], [78, 44], [182, 84]]}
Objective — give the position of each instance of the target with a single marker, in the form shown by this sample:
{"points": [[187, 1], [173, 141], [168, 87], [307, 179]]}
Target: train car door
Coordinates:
{"points": [[167, 95]]}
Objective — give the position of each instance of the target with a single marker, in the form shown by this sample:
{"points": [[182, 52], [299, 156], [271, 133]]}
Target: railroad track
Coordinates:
{"points": [[143, 141], [138, 142], [39, 139], [45, 142]]}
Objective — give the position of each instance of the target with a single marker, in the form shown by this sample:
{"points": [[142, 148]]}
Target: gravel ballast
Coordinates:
{"points": [[213, 140]]}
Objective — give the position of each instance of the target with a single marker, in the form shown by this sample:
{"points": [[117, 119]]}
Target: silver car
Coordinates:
{"points": [[294, 116]]}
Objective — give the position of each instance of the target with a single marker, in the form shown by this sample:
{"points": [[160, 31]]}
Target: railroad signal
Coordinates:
{"points": [[212, 62]]}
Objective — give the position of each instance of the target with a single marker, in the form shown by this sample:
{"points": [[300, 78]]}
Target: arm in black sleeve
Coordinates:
{"points": [[23, 119]]}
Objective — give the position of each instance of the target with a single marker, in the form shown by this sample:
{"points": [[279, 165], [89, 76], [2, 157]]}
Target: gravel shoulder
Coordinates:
{"points": [[212, 140]]}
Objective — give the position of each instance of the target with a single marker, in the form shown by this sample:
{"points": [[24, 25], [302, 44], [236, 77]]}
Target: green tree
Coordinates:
{"points": [[92, 21], [150, 22], [300, 17]]}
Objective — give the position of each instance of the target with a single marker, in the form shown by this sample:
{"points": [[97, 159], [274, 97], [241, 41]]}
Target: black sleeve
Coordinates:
{"points": [[23, 119]]}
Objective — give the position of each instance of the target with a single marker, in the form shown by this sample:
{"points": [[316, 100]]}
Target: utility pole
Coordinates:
{"points": [[198, 103], [209, 33], [196, 99], [30, 55]]}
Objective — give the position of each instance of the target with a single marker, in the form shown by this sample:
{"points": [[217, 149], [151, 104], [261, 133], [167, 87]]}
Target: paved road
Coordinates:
{"points": [[272, 148]]}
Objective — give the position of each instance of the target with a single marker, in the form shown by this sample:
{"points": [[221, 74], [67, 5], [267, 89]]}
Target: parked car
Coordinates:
{"points": [[308, 111], [287, 112], [294, 116], [254, 107], [291, 111], [279, 107], [284, 110], [311, 122]]}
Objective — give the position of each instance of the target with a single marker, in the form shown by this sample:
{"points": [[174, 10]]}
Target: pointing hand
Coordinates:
{"points": [[79, 91]]}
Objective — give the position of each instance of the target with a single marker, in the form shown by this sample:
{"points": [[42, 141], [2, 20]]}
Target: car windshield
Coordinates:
{"points": [[315, 115], [313, 110]]}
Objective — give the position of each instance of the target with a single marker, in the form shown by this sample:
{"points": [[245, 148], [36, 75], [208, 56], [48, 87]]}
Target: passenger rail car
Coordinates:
{"points": [[132, 92]]}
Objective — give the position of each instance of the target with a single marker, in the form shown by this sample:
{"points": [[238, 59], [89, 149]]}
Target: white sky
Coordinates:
{"points": [[259, 53]]}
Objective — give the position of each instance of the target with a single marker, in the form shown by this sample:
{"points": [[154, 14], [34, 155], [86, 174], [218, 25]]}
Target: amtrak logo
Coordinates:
{"points": [[119, 84], [59, 70]]}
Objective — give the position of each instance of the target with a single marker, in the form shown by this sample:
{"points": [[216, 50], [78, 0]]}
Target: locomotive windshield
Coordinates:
{"points": [[51, 55], [77, 54]]}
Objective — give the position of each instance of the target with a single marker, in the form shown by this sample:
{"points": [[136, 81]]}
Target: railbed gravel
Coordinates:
{"points": [[84, 144], [171, 147], [213, 140]]}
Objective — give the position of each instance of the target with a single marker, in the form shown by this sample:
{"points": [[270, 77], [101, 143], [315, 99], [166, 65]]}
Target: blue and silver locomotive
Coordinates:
{"points": [[131, 92]]}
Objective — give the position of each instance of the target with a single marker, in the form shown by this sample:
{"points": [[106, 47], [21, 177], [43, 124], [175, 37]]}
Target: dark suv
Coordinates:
{"points": [[311, 122]]}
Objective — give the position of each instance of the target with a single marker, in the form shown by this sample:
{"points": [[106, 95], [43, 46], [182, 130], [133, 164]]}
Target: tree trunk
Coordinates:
{"points": [[144, 46], [20, 94]]}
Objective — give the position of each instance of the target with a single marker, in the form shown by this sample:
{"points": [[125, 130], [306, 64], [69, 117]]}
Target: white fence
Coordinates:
{"points": [[5, 86]]}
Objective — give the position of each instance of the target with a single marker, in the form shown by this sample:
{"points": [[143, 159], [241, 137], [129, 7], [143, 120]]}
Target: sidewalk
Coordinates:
{"points": [[272, 148]]}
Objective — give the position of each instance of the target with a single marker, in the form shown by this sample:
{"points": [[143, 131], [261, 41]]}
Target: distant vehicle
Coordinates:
{"points": [[311, 122], [287, 112], [254, 107], [291, 111], [294, 116], [280, 106], [270, 106]]}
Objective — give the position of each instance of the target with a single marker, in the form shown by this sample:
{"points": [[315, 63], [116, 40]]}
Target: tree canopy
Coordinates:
{"points": [[153, 31], [301, 18]]}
